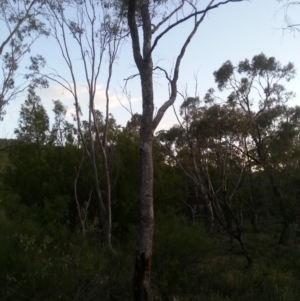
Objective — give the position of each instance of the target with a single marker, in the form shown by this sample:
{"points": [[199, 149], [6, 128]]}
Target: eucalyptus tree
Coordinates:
{"points": [[148, 26], [33, 121], [62, 131], [21, 26], [89, 31], [202, 146], [257, 91], [252, 131]]}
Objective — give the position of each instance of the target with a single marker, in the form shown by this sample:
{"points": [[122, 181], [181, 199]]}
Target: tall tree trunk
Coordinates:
{"points": [[142, 53], [143, 251]]}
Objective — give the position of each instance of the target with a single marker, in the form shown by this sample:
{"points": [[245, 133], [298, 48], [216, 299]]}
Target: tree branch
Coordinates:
{"points": [[20, 22], [188, 17], [173, 95], [134, 32], [156, 27]]}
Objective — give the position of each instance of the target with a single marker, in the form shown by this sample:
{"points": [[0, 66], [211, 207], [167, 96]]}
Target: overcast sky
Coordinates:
{"points": [[232, 32]]}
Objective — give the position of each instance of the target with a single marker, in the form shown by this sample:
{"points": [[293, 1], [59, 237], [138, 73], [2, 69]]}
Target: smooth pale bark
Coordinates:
{"points": [[143, 249], [143, 59]]}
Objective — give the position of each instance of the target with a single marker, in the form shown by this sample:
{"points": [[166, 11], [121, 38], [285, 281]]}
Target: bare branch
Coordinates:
{"points": [[173, 95], [164, 71], [208, 8], [131, 77], [165, 19]]}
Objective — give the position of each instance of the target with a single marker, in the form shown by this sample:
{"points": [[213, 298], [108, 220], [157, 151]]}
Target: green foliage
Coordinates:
{"points": [[62, 131], [179, 251], [33, 121], [126, 173], [21, 26], [187, 264]]}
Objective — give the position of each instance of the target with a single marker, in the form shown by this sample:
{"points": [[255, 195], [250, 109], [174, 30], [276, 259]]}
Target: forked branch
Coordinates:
{"points": [[208, 8], [173, 94]]}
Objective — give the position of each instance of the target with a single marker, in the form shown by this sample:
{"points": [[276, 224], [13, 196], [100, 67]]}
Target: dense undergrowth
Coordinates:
{"points": [[52, 263]]}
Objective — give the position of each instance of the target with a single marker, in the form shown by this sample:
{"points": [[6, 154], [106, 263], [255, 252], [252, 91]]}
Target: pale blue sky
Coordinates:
{"points": [[232, 32]]}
